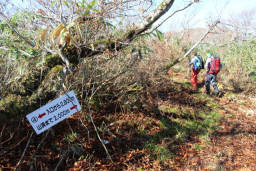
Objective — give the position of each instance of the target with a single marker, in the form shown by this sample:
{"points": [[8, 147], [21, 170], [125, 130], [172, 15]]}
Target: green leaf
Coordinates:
{"points": [[21, 69], [66, 3], [83, 3], [109, 24], [3, 26], [252, 74], [52, 3], [24, 56], [159, 35], [95, 10], [147, 49], [133, 49], [86, 12], [148, 35], [91, 5]]}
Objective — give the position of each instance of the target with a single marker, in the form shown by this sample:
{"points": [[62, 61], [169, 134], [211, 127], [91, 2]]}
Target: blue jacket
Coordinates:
{"points": [[193, 60]]}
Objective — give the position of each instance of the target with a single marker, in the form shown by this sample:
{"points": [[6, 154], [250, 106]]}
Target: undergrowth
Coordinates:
{"points": [[179, 129], [140, 113]]}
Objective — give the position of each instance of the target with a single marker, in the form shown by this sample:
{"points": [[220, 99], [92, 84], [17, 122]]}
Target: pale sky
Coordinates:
{"points": [[200, 13]]}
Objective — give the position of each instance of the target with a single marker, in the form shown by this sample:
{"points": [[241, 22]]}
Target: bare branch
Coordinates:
{"points": [[191, 3], [6, 19], [22, 156], [61, 159], [105, 148], [164, 7], [116, 46], [61, 13], [191, 49], [199, 41], [21, 51]]}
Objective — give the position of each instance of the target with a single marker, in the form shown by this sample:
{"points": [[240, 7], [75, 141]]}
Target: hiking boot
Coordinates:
{"points": [[195, 90], [219, 94]]}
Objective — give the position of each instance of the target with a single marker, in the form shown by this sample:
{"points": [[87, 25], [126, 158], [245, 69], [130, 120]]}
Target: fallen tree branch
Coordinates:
{"points": [[13, 147], [4, 126], [115, 46], [170, 65], [38, 146], [164, 7], [61, 159], [85, 128], [11, 136], [133, 60], [24, 151], [202, 38], [98, 88], [105, 148]]}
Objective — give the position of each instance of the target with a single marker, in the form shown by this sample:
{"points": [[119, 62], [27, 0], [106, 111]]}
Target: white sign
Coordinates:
{"points": [[54, 112]]}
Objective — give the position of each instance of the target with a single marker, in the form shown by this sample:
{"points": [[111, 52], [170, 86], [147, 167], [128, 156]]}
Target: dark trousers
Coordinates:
{"points": [[211, 80]]}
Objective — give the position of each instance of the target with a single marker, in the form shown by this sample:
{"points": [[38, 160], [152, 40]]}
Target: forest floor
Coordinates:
{"points": [[172, 127], [232, 146]]}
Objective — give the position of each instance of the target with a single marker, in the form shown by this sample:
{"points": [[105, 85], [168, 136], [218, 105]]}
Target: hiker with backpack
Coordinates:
{"points": [[213, 66], [197, 64]]}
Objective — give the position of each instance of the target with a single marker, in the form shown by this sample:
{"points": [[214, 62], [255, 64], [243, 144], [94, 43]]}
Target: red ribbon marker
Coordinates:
{"points": [[41, 115], [73, 107]]}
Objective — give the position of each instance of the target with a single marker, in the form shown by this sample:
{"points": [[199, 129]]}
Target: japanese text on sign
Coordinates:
{"points": [[54, 112]]}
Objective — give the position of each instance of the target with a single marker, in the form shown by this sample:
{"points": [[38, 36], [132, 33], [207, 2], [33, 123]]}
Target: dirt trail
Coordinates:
{"points": [[232, 146]]}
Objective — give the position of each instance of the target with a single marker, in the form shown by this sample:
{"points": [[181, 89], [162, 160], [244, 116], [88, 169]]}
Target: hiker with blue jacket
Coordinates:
{"points": [[213, 66], [197, 64]]}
